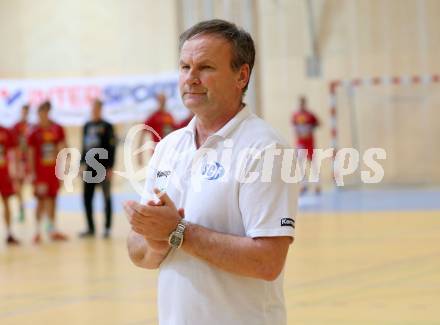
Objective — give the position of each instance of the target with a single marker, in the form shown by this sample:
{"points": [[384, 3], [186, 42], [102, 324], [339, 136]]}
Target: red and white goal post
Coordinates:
{"points": [[407, 88]]}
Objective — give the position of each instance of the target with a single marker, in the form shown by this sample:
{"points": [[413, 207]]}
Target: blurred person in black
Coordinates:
{"points": [[98, 136]]}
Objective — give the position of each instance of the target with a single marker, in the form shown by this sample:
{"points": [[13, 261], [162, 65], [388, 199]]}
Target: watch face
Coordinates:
{"points": [[175, 240]]}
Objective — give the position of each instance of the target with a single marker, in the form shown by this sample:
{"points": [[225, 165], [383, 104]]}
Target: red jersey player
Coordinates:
{"points": [[7, 148], [161, 121], [20, 132], [304, 123], [45, 141]]}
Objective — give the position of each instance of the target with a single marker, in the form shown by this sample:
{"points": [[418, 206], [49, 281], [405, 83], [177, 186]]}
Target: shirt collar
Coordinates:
{"points": [[191, 127], [227, 128]]}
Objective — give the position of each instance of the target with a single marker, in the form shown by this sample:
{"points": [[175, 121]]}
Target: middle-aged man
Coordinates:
{"points": [[223, 262]]}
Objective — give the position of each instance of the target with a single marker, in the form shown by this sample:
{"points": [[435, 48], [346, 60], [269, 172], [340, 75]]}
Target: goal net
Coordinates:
{"points": [[400, 115]]}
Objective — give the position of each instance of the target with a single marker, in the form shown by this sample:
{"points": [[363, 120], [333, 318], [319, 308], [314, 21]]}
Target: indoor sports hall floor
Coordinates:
{"points": [[360, 257]]}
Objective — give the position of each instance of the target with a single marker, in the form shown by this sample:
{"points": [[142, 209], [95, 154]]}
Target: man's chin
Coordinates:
{"points": [[194, 104]]}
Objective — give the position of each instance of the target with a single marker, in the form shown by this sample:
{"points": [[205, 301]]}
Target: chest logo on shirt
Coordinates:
{"points": [[163, 173], [162, 179], [48, 136], [212, 170], [287, 222]]}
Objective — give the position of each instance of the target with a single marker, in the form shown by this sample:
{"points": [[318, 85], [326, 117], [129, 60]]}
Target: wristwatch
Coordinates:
{"points": [[176, 237]]}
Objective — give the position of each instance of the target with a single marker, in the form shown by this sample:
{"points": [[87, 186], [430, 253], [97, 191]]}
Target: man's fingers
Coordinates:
{"points": [[141, 221], [141, 209], [135, 214], [163, 197], [128, 210], [127, 206], [137, 230], [154, 203]]}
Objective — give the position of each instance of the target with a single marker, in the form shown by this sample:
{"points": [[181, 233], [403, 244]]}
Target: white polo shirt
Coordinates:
{"points": [[223, 186]]}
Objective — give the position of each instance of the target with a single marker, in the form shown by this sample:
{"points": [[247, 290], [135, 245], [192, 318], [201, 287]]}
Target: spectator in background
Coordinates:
{"points": [[45, 142], [304, 123], [7, 160], [162, 123], [21, 132], [98, 134]]}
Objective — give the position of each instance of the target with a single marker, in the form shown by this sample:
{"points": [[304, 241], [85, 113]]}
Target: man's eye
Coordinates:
{"points": [[184, 67]]}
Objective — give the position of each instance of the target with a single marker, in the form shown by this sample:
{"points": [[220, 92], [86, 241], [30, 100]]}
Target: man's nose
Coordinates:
{"points": [[193, 77]]}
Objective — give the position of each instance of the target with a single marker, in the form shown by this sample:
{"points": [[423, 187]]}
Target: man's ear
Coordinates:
{"points": [[243, 77]]}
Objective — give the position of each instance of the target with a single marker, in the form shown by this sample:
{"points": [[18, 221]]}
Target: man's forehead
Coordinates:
{"points": [[204, 45]]}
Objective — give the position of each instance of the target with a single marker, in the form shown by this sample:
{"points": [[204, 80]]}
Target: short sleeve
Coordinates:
{"points": [[268, 205], [314, 120], [150, 180]]}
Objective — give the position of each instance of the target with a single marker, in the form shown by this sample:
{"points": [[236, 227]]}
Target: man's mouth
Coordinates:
{"points": [[194, 93]]}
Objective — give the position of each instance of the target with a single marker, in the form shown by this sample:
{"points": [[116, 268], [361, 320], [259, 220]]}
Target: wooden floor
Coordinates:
{"points": [[357, 268]]}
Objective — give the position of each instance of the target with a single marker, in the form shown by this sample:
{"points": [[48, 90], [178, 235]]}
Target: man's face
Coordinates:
{"points": [[24, 113], [207, 83], [302, 102], [96, 110], [43, 115]]}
